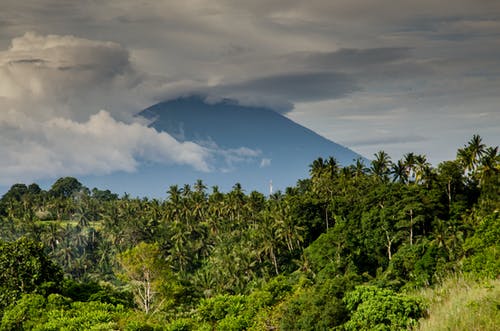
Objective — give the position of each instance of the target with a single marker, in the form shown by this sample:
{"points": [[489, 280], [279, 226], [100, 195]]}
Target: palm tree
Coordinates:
{"points": [[422, 167], [464, 157], [399, 173], [410, 162], [470, 155], [267, 240], [317, 168], [82, 216], [477, 148], [200, 187], [332, 167], [381, 165], [186, 191], [359, 168], [489, 166], [52, 235]]}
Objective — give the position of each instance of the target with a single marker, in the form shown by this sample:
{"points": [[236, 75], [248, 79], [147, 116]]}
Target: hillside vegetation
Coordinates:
{"points": [[390, 245], [462, 304]]}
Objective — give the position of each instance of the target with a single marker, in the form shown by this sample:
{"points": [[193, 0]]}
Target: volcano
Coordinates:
{"points": [[253, 146]]}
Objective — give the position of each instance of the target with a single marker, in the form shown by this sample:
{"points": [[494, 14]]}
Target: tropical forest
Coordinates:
{"points": [[384, 244]]}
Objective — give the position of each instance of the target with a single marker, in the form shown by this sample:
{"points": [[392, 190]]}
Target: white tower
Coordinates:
{"points": [[271, 187]]}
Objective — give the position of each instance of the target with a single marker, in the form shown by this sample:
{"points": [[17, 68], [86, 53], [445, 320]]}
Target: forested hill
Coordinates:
{"points": [[360, 247]]}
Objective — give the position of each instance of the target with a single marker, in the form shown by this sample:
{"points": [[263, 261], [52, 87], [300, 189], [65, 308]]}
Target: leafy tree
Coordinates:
{"points": [[483, 248], [15, 193], [319, 307], [450, 174], [35, 312], [373, 308], [25, 268], [65, 187], [25, 314], [143, 268]]}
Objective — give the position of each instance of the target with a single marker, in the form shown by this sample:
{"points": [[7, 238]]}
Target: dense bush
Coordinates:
{"points": [[373, 308], [202, 260]]}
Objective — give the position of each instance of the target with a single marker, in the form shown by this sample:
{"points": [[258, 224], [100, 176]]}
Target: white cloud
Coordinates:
{"points": [[265, 163], [32, 149], [451, 67], [53, 75], [230, 157], [50, 90]]}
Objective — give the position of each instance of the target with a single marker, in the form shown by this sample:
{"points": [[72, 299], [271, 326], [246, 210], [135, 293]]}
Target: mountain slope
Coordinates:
{"points": [[285, 149], [251, 146], [233, 126]]}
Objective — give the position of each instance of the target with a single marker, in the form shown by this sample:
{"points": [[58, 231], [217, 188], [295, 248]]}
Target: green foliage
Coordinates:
{"points": [[373, 308], [26, 313], [238, 312], [483, 248], [144, 270], [200, 260], [319, 307], [35, 312], [25, 268], [65, 187], [91, 291], [181, 324], [227, 312], [462, 304], [15, 193], [415, 265]]}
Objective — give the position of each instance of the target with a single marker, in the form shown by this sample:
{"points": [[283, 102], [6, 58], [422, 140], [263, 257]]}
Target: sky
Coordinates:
{"points": [[400, 76]]}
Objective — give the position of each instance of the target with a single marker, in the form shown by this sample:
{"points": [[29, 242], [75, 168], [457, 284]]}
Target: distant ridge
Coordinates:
{"points": [[251, 146], [286, 148], [231, 126]]}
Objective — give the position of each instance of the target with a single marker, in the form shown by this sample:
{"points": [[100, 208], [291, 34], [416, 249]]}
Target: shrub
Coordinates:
{"points": [[374, 308]]}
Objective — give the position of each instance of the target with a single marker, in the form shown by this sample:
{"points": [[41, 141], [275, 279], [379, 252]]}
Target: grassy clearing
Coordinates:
{"points": [[462, 304], [93, 224]]}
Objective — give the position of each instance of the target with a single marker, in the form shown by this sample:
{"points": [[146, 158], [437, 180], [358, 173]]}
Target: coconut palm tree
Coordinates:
{"points": [[489, 166], [381, 165], [331, 167], [477, 149], [317, 168], [421, 167], [470, 155], [398, 172]]}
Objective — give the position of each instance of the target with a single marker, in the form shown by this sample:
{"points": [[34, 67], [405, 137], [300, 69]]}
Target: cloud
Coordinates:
{"points": [[56, 75], [265, 163], [277, 91], [226, 160], [387, 140], [351, 58], [32, 149], [51, 88], [424, 56]]}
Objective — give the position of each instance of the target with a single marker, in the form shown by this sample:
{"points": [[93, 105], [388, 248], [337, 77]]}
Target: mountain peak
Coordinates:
{"points": [[249, 145]]}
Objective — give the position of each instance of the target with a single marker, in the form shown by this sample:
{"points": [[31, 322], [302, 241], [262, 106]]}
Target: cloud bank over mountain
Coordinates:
{"points": [[34, 149], [49, 88], [421, 76]]}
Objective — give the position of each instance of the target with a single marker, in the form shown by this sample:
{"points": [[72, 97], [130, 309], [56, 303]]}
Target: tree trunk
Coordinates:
{"points": [[326, 218], [389, 245], [273, 256], [411, 227], [449, 196]]}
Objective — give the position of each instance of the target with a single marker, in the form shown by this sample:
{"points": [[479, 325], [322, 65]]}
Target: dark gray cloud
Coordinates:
{"points": [[349, 58], [390, 140], [341, 64], [309, 86], [51, 91]]}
